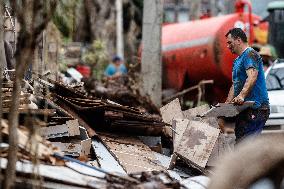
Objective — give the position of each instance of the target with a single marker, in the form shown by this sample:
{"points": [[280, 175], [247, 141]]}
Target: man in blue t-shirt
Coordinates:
{"points": [[248, 85], [115, 69]]}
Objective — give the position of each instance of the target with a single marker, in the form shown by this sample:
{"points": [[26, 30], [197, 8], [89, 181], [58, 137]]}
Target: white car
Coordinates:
{"points": [[275, 85]]}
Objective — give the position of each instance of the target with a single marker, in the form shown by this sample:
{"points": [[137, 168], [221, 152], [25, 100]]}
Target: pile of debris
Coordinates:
{"points": [[119, 146]]}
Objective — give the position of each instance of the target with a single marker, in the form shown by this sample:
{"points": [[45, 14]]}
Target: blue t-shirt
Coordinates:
{"points": [[250, 59], [111, 69]]}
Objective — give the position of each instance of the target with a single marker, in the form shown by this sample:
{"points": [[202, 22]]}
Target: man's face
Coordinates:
{"points": [[233, 44]]}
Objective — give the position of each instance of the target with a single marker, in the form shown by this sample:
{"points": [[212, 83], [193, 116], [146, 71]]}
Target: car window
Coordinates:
{"points": [[275, 79]]}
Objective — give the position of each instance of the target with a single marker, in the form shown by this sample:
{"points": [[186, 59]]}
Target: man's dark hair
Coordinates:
{"points": [[238, 33]]}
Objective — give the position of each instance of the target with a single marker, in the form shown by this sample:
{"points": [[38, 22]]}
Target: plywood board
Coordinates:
{"points": [[131, 153], [197, 142]]}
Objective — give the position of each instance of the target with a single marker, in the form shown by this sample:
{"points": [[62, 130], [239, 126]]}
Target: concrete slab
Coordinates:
{"points": [[197, 143], [171, 111]]}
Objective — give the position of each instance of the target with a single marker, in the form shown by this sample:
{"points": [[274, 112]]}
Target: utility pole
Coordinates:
{"points": [[213, 9], [119, 29], [195, 9], [151, 68]]}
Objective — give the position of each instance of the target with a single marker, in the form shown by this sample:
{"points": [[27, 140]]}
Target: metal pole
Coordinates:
{"points": [[119, 29]]}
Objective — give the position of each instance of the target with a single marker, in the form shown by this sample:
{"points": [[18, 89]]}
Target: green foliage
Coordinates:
{"points": [[65, 15], [61, 24], [96, 57]]}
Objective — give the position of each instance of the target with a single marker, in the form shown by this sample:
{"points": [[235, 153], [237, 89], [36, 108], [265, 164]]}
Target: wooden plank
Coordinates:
{"points": [[132, 154], [171, 111], [197, 142], [70, 128], [34, 145], [75, 146]]}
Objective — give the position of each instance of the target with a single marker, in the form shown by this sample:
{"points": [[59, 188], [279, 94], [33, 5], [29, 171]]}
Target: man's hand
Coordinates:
{"points": [[239, 100]]}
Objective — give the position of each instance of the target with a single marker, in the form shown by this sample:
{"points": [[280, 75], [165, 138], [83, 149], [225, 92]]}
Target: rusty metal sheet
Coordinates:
{"points": [[197, 143], [227, 110], [132, 154]]}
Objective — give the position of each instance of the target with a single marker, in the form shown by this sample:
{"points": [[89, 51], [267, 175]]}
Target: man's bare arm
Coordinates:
{"points": [[250, 81], [230, 95]]}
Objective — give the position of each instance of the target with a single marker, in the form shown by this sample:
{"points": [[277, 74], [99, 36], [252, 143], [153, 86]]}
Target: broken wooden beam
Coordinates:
{"points": [[70, 128]]}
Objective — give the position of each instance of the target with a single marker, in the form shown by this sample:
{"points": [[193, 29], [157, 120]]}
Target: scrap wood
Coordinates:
{"points": [[8, 96], [70, 128], [34, 145], [132, 154], [77, 145], [74, 114], [7, 103], [36, 112], [101, 104], [137, 129]]}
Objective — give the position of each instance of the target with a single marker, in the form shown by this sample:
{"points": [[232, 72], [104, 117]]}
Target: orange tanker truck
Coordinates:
{"points": [[196, 50]]}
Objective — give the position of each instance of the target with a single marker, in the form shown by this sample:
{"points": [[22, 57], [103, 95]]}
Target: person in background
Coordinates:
{"points": [[266, 56], [115, 69]]}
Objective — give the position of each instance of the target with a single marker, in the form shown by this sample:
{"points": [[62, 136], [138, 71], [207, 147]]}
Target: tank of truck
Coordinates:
{"points": [[197, 50]]}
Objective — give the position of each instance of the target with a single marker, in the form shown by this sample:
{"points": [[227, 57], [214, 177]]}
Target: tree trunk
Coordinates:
{"points": [[96, 20], [31, 27], [151, 67], [2, 65]]}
